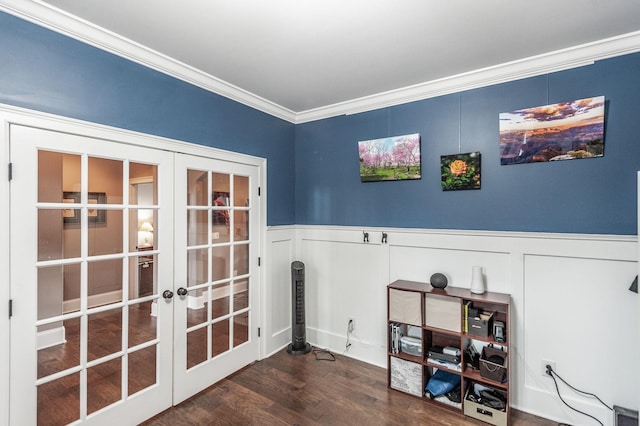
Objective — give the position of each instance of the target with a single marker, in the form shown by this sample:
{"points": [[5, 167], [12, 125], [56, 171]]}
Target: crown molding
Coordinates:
{"points": [[573, 57], [64, 23], [59, 21]]}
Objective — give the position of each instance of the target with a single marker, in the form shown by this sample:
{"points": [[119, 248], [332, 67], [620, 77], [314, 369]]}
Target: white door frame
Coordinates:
{"points": [[5, 352], [14, 115]]}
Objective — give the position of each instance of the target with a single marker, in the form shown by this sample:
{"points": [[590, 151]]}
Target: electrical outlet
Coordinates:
{"points": [[543, 367], [351, 324]]}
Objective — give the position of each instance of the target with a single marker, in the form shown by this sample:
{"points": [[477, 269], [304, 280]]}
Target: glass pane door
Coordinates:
{"points": [[101, 330], [216, 316]]}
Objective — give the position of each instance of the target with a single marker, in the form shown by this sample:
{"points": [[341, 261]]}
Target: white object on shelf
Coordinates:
{"points": [[411, 345], [477, 280]]}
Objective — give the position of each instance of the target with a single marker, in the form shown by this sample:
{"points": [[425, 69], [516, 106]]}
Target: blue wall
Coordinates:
{"points": [[45, 71], [585, 196], [313, 167]]}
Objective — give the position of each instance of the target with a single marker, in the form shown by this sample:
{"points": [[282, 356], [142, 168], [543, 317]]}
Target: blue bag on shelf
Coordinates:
{"points": [[442, 382]]}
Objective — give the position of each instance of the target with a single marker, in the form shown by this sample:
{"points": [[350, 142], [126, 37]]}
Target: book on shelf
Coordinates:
{"points": [[396, 334], [465, 324]]}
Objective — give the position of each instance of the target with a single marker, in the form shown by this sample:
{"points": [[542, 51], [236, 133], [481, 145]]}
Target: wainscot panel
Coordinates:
{"points": [[280, 254], [570, 300]]}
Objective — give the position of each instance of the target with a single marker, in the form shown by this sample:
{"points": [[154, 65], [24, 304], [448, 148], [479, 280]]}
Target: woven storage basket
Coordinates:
{"points": [[490, 369]]}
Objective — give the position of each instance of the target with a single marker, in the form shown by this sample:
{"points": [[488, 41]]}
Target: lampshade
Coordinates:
{"points": [[146, 227]]}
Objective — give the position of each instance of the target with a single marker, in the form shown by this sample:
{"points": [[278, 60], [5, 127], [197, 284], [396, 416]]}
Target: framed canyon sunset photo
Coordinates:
{"points": [[563, 131]]}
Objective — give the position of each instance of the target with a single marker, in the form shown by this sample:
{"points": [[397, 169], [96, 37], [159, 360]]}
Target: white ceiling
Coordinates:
{"points": [[307, 55]]}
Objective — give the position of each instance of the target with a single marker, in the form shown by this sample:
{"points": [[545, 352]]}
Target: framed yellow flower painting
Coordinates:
{"points": [[460, 171]]}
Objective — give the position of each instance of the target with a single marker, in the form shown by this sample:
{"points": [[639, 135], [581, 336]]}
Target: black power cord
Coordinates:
{"points": [[323, 355], [347, 345], [553, 375]]}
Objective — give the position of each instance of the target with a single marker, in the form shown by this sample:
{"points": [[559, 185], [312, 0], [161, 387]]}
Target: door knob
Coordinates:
{"points": [[167, 294], [182, 291]]}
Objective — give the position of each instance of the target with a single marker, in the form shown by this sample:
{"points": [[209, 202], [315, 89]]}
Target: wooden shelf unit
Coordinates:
{"points": [[445, 308]]}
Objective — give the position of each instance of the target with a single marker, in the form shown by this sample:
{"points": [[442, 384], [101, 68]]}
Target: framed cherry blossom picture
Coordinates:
{"points": [[392, 158]]}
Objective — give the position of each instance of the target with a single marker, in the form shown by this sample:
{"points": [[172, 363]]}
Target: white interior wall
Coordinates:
{"points": [[570, 301], [579, 313], [345, 279]]}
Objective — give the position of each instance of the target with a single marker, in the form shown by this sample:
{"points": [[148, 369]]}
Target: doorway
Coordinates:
{"points": [[114, 307]]}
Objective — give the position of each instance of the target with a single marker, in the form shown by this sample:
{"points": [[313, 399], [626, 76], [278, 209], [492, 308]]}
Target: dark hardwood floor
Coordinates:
{"points": [[300, 390]]}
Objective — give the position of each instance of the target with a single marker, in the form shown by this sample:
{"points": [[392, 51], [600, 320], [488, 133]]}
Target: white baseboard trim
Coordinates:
{"points": [[73, 305], [278, 340], [360, 350], [197, 302], [48, 338]]}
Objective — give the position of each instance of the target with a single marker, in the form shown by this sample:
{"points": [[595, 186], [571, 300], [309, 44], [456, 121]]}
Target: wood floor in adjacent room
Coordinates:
{"points": [[300, 390]]}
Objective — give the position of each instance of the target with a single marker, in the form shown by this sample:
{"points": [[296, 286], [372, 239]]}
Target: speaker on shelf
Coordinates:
{"points": [[438, 280]]}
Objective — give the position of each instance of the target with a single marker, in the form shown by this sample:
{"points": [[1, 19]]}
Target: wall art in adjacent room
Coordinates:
{"points": [[460, 171], [72, 215], [220, 216], [392, 158], [563, 131]]}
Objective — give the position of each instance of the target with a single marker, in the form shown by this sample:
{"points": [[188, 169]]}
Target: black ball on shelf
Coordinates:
{"points": [[438, 280]]}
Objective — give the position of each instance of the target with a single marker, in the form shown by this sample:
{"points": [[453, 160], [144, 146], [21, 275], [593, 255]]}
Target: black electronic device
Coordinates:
{"points": [[437, 352], [438, 280], [299, 344], [498, 332], [624, 416]]}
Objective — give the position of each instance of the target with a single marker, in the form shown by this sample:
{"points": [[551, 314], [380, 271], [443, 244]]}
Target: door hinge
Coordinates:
{"points": [[258, 331], [10, 308], [10, 171]]}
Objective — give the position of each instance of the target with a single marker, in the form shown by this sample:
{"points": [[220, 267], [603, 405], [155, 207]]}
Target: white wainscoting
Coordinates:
{"points": [[570, 301], [280, 253]]}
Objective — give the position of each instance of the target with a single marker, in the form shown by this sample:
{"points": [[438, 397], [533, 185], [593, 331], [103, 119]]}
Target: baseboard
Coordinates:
{"points": [[360, 350], [99, 299], [47, 338], [197, 302], [278, 340]]}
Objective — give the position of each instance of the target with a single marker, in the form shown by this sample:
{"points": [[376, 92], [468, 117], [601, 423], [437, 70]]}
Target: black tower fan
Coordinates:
{"points": [[298, 345]]}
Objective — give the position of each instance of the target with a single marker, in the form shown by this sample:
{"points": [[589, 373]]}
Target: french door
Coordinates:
{"points": [[217, 225], [113, 316]]}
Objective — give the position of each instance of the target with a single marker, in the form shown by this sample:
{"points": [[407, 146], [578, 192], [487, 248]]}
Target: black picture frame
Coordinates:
{"points": [[460, 171], [220, 216], [72, 215]]}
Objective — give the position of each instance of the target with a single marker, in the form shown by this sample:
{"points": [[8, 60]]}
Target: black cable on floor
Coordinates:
{"points": [[320, 353]]}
